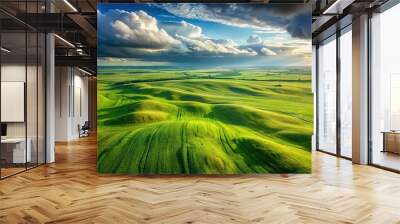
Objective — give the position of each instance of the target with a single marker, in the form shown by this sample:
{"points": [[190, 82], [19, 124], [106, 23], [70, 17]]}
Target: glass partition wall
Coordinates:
{"points": [[22, 77], [334, 105], [385, 89]]}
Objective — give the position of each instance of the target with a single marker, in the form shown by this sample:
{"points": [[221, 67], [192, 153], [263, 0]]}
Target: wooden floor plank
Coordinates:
{"points": [[71, 191]]}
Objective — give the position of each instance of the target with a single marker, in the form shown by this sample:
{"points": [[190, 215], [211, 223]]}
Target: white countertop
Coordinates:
{"points": [[13, 140]]}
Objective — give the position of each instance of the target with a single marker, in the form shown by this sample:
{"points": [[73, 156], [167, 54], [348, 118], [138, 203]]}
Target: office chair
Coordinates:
{"points": [[84, 130]]}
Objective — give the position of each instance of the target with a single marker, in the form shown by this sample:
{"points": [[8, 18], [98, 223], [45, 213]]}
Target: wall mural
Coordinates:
{"points": [[193, 88]]}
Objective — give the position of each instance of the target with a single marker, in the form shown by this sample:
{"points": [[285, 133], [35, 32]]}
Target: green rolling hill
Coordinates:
{"points": [[204, 122]]}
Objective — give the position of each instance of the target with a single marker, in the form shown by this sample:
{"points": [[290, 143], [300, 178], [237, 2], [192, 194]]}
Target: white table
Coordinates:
{"points": [[19, 153]]}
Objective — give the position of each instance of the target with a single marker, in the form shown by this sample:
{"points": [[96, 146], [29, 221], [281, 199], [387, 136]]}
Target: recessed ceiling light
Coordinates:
{"points": [[5, 50], [337, 7], [65, 41], [86, 72], [70, 5]]}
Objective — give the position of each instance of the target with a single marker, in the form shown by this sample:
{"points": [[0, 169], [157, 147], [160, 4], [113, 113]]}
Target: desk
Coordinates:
{"points": [[391, 141], [15, 148]]}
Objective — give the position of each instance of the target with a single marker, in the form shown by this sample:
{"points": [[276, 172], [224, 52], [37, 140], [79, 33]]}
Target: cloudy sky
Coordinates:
{"points": [[204, 35]]}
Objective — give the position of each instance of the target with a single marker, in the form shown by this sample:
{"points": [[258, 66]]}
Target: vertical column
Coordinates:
{"points": [[338, 91], [314, 91], [360, 90], [92, 100], [50, 98], [50, 92]]}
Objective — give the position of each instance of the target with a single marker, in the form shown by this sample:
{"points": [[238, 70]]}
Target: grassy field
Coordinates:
{"points": [[214, 121]]}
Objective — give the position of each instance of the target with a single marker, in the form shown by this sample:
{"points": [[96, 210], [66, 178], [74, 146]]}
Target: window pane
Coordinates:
{"points": [[31, 97], [327, 97], [346, 94]]}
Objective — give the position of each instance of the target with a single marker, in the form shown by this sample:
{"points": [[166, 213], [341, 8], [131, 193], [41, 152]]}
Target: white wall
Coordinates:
{"points": [[13, 101], [62, 82], [80, 109], [13, 72], [71, 94], [17, 73]]}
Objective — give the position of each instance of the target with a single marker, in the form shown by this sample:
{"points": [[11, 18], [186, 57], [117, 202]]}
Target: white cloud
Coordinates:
{"points": [[267, 52], [292, 47], [254, 39], [139, 33], [183, 28], [134, 29], [138, 37], [205, 45], [194, 40], [189, 30], [214, 14], [112, 59], [280, 46], [266, 31], [104, 61]]}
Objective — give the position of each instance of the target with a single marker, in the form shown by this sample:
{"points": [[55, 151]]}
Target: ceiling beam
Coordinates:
{"points": [[78, 61]]}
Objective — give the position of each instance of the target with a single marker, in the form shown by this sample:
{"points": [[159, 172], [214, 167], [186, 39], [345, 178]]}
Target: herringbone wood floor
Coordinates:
{"points": [[70, 191]]}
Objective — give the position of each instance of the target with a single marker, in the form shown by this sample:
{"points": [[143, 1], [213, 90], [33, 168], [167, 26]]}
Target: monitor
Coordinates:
{"points": [[3, 129]]}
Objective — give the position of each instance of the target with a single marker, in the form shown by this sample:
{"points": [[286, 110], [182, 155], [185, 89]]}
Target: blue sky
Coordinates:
{"points": [[207, 35]]}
